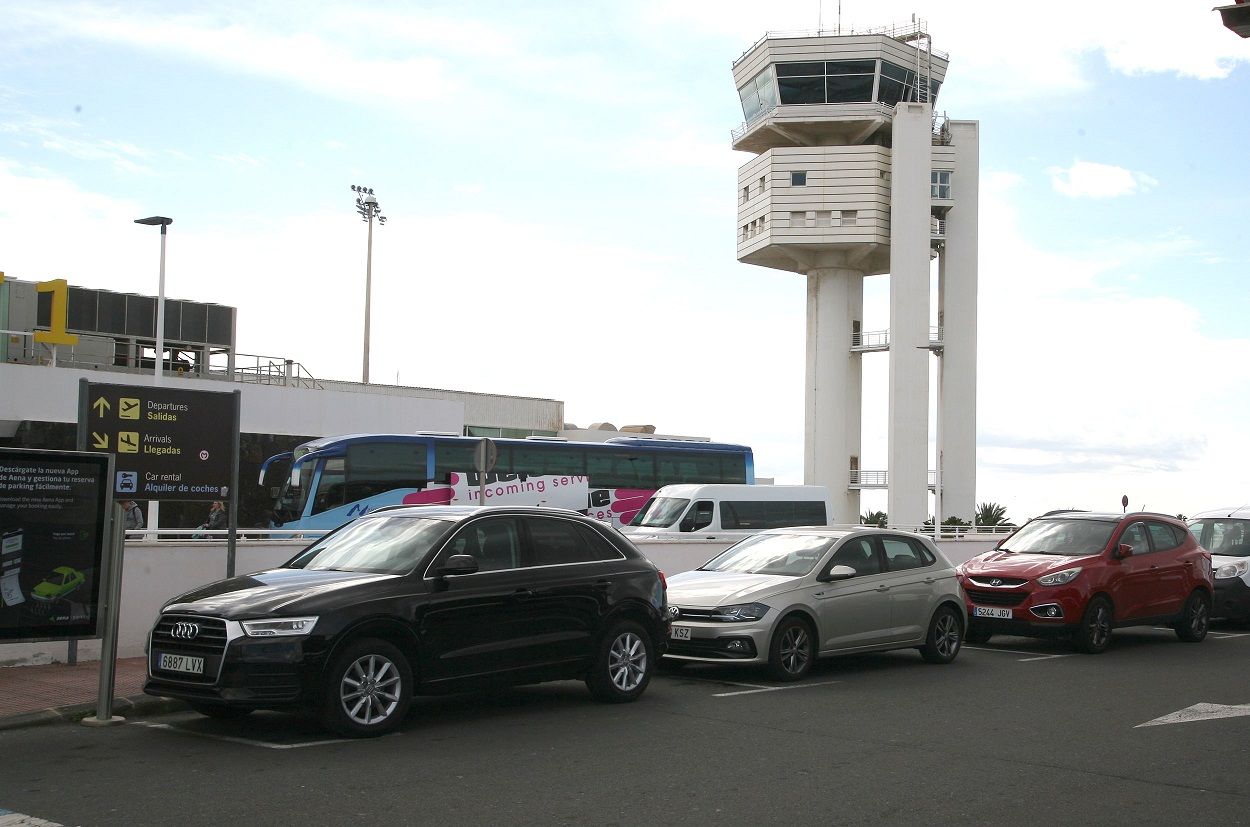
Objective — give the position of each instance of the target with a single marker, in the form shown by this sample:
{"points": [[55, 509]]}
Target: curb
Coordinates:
{"points": [[134, 706]]}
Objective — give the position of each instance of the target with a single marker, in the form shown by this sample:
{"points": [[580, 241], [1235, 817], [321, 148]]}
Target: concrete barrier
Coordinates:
{"points": [[154, 572]]}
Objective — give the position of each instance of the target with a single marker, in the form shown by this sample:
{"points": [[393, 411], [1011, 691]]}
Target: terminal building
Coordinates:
{"points": [[53, 334], [854, 175]]}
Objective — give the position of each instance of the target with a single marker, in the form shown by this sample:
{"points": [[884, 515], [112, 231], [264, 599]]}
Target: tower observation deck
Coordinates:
{"points": [[854, 176]]}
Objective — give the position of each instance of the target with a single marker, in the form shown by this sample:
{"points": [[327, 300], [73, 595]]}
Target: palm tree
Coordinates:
{"points": [[991, 514], [877, 518]]}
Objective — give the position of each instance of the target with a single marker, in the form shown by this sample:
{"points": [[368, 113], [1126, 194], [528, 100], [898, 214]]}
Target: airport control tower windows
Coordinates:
{"points": [[828, 81], [899, 84], [758, 95]]}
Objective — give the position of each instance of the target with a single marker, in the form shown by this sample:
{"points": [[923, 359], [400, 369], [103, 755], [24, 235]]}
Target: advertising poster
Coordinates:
{"points": [[52, 507]]}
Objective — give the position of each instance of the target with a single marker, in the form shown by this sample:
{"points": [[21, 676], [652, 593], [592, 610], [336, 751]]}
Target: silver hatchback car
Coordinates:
{"points": [[788, 596]]}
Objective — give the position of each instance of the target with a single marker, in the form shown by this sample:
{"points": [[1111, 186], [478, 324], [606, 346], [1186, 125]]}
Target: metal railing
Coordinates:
{"points": [[901, 31], [20, 347], [880, 339], [879, 479], [267, 370], [182, 535]]}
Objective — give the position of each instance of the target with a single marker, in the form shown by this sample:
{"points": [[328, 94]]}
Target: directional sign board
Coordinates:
{"points": [[170, 444]]}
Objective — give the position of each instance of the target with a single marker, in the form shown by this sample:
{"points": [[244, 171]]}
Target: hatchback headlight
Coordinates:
{"points": [[740, 613], [1231, 570], [1059, 578], [279, 626]]}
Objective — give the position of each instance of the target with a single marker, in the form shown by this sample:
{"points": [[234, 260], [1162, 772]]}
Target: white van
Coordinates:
{"points": [[729, 510]]}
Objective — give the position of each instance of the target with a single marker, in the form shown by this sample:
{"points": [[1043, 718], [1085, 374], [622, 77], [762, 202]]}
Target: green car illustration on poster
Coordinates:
{"points": [[61, 583]]}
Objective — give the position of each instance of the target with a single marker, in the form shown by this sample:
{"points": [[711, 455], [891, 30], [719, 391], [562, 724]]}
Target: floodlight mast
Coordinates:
{"points": [[369, 208]]}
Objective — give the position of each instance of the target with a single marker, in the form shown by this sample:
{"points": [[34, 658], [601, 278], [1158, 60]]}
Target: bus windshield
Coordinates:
{"points": [[294, 492], [660, 512]]}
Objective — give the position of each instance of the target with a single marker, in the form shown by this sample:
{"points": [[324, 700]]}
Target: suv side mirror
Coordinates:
{"points": [[1123, 550], [837, 573], [458, 564]]}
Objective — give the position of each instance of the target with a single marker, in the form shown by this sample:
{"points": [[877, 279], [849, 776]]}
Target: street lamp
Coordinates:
{"points": [[154, 506], [163, 222], [368, 207]]}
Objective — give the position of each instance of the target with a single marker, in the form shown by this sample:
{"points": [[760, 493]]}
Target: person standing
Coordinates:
{"points": [[132, 515], [216, 520]]}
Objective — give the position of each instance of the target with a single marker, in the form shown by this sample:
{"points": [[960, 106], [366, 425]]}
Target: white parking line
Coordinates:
{"points": [[237, 740], [773, 689], [1032, 655], [722, 683]]}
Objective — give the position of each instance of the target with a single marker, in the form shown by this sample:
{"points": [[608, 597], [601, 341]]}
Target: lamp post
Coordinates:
{"points": [[154, 506], [160, 296], [368, 207]]}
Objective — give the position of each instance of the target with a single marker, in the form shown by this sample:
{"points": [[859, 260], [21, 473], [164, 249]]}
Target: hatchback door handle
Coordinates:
{"points": [[522, 594], [883, 588]]}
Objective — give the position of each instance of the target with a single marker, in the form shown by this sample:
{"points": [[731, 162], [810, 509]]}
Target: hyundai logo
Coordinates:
{"points": [[185, 631], [673, 612], [996, 582]]}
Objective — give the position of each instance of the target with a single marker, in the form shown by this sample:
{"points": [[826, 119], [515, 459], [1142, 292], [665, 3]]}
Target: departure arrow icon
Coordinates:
{"points": [[99, 441], [101, 405], [1200, 712]]}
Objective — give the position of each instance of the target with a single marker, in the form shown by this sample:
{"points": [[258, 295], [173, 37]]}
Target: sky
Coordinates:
{"points": [[560, 193]]}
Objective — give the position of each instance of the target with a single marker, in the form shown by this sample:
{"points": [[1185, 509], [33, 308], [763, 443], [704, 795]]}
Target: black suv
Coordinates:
{"points": [[417, 599]]}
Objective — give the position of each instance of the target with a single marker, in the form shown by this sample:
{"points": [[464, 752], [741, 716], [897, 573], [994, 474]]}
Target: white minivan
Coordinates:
{"points": [[730, 510]]}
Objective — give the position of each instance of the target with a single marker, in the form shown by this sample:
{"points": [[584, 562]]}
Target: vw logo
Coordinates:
{"points": [[185, 631], [673, 612], [996, 582]]}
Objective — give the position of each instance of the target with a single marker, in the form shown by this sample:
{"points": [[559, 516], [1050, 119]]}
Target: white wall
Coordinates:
{"points": [[154, 572]]}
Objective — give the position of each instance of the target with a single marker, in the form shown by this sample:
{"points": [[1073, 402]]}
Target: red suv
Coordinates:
{"points": [[1081, 575]]}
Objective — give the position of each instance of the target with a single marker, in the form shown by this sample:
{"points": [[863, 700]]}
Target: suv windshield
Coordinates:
{"points": [[660, 512], [1060, 536], [380, 545], [1223, 536], [793, 555]]}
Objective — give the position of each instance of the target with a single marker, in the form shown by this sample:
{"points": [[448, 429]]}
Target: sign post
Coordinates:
{"points": [[111, 609], [485, 455]]}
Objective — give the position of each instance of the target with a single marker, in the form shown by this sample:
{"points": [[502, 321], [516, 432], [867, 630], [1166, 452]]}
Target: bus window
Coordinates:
{"points": [[452, 457], [330, 486], [543, 460], [619, 469]]}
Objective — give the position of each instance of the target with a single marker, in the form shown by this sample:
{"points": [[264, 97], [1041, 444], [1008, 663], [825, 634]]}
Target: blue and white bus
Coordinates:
{"points": [[336, 479]]}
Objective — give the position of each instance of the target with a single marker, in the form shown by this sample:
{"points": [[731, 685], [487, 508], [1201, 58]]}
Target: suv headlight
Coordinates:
{"points": [[1230, 570], [1060, 577], [740, 613], [279, 626]]}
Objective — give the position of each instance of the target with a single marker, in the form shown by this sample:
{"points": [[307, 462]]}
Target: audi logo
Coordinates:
{"points": [[185, 631]]}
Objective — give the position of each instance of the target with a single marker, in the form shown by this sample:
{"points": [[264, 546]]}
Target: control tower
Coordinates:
{"points": [[854, 176]]}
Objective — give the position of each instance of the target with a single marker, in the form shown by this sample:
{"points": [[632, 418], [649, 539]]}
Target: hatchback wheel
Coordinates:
{"points": [[367, 689], [623, 665], [944, 638], [793, 650], [1094, 634], [1195, 618]]}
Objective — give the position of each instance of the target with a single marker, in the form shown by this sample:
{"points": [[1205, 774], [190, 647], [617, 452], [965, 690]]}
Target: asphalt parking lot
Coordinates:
{"points": [[1153, 732]]}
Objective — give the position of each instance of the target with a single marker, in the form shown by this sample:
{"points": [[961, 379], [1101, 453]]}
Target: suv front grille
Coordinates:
{"points": [[986, 598], [209, 642]]}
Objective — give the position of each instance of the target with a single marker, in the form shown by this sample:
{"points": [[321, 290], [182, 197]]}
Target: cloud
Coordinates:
{"points": [[58, 136], [1085, 179]]}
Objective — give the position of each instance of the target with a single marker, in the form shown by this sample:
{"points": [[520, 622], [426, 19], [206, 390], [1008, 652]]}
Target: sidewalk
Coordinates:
{"points": [[31, 695]]}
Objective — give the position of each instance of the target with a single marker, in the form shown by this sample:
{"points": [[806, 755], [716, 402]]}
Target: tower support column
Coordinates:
{"points": [[833, 397], [910, 214]]}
